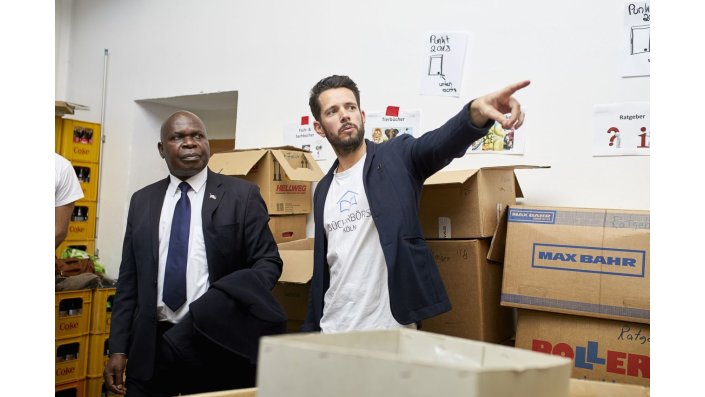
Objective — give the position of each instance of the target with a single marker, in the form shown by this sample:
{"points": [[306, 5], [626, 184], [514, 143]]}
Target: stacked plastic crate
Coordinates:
{"points": [[72, 320], [98, 341], [79, 142]]}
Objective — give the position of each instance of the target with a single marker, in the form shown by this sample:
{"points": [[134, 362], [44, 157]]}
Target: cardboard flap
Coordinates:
{"points": [[62, 108], [517, 189], [515, 167], [499, 238], [298, 245], [298, 261], [288, 147], [460, 176], [447, 177], [238, 162], [311, 174]]}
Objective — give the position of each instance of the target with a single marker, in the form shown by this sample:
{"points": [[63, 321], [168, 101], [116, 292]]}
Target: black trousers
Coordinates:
{"points": [[198, 366]]}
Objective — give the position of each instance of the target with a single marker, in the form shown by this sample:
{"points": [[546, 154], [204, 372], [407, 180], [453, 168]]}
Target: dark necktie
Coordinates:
{"points": [[174, 294]]}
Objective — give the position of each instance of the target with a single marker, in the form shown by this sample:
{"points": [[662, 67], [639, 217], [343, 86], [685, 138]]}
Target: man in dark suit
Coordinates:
{"points": [[194, 289]]}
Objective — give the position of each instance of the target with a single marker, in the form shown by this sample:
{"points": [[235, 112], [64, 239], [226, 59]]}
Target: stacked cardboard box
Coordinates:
{"points": [[293, 286], [581, 277], [284, 175], [459, 211]]}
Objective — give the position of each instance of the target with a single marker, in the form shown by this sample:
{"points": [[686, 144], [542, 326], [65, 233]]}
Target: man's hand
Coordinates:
{"points": [[495, 105], [113, 373]]}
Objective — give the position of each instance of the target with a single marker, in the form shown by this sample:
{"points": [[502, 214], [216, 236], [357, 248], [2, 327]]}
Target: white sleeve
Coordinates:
{"points": [[67, 188]]}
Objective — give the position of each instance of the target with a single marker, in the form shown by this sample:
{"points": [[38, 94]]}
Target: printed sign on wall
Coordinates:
{"points": [[637, 39], [302, 135], [443, 59], [383, 126], [500, 141], [621, 129]]}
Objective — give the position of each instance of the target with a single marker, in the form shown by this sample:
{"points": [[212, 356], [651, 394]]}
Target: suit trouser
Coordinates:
{"points": [[198, 366]]}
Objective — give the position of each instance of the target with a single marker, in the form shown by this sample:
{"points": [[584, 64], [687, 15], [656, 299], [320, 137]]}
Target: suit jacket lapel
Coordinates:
{"points": [[211, 199], [155, 211]]}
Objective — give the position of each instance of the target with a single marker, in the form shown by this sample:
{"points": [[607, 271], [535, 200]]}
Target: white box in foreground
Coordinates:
{"points": [[404, 363]]}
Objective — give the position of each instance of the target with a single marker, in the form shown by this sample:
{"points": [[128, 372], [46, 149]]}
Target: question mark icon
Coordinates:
{"points": [[614, 130]]}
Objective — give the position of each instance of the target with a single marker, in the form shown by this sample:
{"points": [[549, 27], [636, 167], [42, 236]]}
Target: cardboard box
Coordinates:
{"points": [[474, 286], [403, 362], [284, 175], [464, 204], [221, 145], [287, 228], [591, 388], [591, 262], [601, 349], [293, 286]]}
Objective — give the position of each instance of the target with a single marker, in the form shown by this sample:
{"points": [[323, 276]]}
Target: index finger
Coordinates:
{"points": [[512, 88]]}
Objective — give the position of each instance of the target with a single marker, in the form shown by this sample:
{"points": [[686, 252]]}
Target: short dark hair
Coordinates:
{"points": [[328, 83]]}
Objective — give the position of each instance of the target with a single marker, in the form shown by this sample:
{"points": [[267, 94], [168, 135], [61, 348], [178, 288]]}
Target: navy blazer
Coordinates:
{"points": [[393, 176], [236, 234]]}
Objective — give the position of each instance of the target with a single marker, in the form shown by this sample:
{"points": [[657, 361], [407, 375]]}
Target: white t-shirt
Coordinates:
{"points": [[358, 296], [67, 189]]}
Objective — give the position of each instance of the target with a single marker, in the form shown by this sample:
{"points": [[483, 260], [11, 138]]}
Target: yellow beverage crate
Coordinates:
{"points": [[57, 133], [82, 222], [95, 386], [87, 174], [97, 353], [72, 315], [80, 141], [72, 389], [83, 245], [71, 357], [102, 310]]}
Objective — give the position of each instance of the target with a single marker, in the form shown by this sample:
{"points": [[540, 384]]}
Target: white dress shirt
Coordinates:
{"points": [[197, 263]]}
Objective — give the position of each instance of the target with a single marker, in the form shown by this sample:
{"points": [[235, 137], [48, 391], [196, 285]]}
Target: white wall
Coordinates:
{"points": [[272, 52]]}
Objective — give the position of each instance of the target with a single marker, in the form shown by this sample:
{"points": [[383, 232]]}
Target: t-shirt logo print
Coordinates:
{"points": [[347, 200]]}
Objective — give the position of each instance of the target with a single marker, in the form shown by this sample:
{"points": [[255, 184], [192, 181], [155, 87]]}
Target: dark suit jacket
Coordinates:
{"points": [[236, 234], [393, 176]]}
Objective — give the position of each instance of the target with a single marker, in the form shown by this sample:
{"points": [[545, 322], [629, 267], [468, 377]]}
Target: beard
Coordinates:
{"points": [[348, 144]]}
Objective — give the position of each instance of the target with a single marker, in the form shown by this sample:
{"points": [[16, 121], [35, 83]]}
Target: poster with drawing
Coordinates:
{"points": [[302, 135], [500, 141], [383, 126], [636, 58], [442, 63], [621, 129]]}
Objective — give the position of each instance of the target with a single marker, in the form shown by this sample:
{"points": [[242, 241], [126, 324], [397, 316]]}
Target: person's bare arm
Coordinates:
{"points": [[62, 215]]}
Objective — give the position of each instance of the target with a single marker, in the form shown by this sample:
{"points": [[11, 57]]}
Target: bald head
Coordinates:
{"points": [[184, 144], [180, 115]]}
